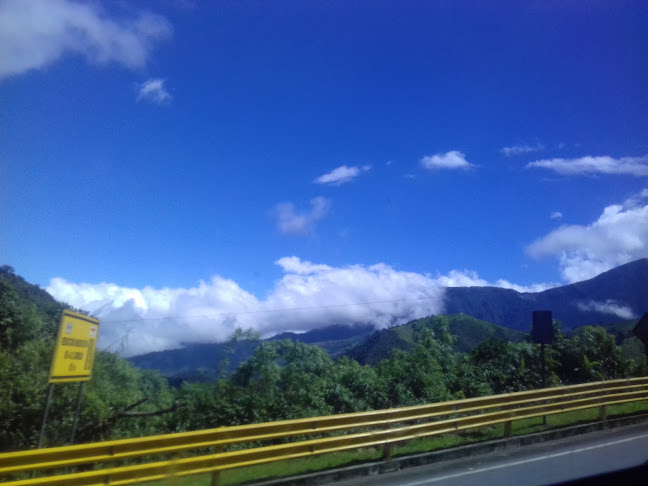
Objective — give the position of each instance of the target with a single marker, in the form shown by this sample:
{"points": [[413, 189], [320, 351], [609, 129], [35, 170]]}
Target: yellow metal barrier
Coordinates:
{"points": [[351, 431]]}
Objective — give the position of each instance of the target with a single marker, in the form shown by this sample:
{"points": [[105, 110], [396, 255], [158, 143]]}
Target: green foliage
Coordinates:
{"points": [[28, 322], [353, 387], [428, 360], [508, 367], [589, 355], [463, 333]]}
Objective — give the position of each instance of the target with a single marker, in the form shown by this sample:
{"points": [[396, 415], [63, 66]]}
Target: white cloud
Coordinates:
{"points": [[156, 319], [37, 33], [298, 223], [636, 200], [523, 149], [149, 319], [307, 296], [457, 278], [618, 236], [608, 307], [537, 287], [469, 278], [636, 166], [153, 91], [295, 265], [341, 175], [450, 160], [556, 215]]}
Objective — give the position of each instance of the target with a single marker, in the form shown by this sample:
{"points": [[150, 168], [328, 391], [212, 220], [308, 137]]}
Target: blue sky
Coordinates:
{"points": [[304, 154]]}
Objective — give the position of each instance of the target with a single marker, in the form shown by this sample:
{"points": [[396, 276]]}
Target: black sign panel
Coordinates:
{"points": [[641, 329], [542, 331]]}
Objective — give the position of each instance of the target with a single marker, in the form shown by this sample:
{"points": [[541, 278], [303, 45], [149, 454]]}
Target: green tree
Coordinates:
{"points": [[415, 377], [352, 387], [508, 367], [19, 321], [590, 355]]}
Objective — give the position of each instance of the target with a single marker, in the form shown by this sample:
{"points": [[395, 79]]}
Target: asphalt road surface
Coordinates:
{"points": [[597, 456]]}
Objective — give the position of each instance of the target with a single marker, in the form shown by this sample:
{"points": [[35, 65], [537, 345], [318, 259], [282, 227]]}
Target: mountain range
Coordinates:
{"points": [[472, 314], [620, 293]]}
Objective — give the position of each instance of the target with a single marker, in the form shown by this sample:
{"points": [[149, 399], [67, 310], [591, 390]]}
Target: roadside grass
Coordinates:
{"points": [[307, 465]]}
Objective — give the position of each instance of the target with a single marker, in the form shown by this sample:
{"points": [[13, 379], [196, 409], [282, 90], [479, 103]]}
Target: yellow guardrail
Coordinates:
{"points": [[211, 450]]}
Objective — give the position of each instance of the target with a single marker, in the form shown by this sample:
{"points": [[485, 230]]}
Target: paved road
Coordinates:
{"points": [[540, 464]]}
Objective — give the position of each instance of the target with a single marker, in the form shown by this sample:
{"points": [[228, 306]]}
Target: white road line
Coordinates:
{"points": [[525, 461]]}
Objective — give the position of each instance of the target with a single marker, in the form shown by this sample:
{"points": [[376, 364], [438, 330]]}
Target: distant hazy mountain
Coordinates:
{"points": [[194, 362], [201, 361], [333, 339], [620, 293]]}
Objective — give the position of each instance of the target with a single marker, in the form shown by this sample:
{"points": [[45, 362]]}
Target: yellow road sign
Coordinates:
{"points": [[75, 348]]}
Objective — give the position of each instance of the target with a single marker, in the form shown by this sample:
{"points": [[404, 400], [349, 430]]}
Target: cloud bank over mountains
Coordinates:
{"points": [[137, 321], [308, 295], [608, 307]]}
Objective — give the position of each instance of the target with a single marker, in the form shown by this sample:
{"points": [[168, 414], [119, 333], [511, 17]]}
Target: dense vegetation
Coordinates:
{"points": [[206, 361], [29, 319], [281, 379]]}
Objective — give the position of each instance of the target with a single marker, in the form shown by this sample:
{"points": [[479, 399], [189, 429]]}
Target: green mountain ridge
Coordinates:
{"points": [[468, 333], [201, 362]]}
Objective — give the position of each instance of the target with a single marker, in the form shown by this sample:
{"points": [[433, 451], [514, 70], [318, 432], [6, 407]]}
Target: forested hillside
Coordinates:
{"points": [[29, 319], [467, 333], [281, 379], [206, 361]]}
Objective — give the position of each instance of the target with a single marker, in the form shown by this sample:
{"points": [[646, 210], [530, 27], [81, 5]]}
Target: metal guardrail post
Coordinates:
{"points": [[387, 450], [602, 415], [215, 478], [602, 407]]}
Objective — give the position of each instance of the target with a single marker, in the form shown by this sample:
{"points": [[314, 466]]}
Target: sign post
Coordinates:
{"points": [[73, 359], [542, 332]]}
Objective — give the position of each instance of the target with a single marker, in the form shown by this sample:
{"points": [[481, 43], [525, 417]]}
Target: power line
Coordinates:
{"points": [[264, 311]]}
